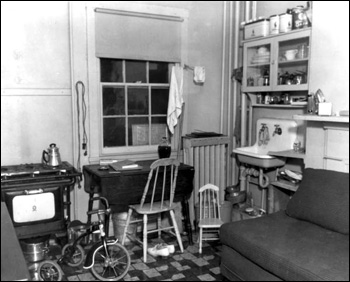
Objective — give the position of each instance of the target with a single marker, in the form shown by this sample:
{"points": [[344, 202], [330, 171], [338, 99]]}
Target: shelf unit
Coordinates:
{"points": [[289, 154], [266, 57]]}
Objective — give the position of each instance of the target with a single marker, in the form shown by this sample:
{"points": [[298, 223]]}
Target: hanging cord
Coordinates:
{"points": [[85, 139]]}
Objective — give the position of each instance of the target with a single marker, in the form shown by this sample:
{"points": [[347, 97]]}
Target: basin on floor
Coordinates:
{"points": [[257, 155]]}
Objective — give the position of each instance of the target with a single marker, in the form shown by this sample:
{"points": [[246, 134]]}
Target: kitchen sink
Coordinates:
{"points": [[272, 135]]}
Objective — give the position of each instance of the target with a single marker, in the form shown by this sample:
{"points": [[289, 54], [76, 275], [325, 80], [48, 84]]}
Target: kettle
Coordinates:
{"points": [[52, 156]]}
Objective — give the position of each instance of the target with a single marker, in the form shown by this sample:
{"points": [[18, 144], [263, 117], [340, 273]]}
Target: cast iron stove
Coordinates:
{"points": [[25, 189]]}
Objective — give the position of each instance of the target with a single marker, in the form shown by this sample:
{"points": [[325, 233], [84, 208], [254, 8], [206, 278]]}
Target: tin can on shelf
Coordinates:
{"points": [[274, 24], [299, 19], [285, 23]]}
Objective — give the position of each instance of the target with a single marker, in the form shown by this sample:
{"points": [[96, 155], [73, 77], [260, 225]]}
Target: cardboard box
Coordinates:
{"points": [[325, 109]]}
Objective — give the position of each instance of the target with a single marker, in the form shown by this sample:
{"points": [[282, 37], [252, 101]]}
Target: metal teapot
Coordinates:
{"points": [[51, 157]]}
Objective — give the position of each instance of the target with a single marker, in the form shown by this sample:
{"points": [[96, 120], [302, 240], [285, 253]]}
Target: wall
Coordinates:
{"points": [[329, 48], [330, 52], [37, 105], [35, 81], [205, 32], [268, 8]]}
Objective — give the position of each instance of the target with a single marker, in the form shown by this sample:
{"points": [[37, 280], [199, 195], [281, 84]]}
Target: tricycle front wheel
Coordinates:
{"points": [[112, 266]]}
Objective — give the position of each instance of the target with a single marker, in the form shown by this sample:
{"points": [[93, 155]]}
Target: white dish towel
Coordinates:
{"points": [[175, 97]]}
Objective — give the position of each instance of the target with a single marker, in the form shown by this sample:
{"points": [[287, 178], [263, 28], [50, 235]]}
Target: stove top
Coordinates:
{"points": [[29, 171]]}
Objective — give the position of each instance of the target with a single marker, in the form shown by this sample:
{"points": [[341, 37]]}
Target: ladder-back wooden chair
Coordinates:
{"points": [[157, 198], [209, 214]]}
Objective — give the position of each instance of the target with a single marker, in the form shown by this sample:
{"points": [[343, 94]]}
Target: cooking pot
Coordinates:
{"points": [[51, 157], [35, 249]]}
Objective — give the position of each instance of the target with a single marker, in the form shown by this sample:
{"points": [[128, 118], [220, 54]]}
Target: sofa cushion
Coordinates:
{"points": [[291, 249], [322, 198]]}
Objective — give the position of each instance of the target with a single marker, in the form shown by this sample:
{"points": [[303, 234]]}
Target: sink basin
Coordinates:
{"points": [[257, 155], [253, 156]]}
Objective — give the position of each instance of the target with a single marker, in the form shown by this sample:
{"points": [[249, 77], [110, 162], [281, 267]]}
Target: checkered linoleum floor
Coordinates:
{"points": [[187, 266]]}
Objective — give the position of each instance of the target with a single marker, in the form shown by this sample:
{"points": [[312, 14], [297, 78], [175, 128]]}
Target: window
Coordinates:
{"points": [[134, 102]]}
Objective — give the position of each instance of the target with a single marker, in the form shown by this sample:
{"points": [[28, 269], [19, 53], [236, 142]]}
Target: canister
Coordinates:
{"points": [[299, 19], [285, 23], [303, 51], [257, 28], [274, 24]]}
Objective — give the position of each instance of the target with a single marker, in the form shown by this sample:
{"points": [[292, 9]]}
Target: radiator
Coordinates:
{"points": [[208, 157]]}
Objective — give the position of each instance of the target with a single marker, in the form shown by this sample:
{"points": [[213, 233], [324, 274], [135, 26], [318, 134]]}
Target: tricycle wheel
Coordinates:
{"points": [[73, 257], [48, 270]]}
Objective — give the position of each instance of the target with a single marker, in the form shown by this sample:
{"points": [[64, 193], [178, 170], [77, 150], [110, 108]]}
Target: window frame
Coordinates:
{"points": [[130, 148], [83, 18]]}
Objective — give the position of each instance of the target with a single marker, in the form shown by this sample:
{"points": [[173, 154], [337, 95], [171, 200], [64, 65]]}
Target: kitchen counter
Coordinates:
{"points": [[343, 119]]}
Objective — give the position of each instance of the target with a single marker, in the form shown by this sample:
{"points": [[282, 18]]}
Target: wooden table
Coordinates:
{"points": [[126, 187], [13, 264]]}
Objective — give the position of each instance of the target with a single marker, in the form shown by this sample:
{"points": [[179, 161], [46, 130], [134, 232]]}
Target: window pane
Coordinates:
{"points": [[137, 101], [158, 72], [135, 71], [113, 101], [159, 100], [113, 132], [138, 131], [111, 70], [159, 128]]}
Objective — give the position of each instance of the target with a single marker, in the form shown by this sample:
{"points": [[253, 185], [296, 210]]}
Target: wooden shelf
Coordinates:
{"points": [[285, 185], [258, 65], [278, 106], [304, 30], [343, 119], [293, 62], [288, 154]]}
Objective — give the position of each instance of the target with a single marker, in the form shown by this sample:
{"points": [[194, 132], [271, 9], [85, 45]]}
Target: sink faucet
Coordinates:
{"points": [[278, 130], [263, 135]]}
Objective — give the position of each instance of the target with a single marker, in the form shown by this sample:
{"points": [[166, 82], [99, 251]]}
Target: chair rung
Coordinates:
{"points": [[160, 229], [135, 221], [210, 239]]}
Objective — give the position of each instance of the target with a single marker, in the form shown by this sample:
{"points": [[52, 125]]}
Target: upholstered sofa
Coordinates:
{"points": [[307, 241]]}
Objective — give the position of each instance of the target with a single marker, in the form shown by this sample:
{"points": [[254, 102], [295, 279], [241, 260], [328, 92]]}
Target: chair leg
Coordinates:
{"points": [[159, 225], [200, 239], [126, 225], [178, 236], [145, 237]]}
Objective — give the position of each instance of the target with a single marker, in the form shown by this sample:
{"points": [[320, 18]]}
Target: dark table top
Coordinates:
{"points": [[94, 169]]}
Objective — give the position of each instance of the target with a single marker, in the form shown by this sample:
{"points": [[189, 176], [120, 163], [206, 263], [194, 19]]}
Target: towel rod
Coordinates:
{"points": [[188, 67]]}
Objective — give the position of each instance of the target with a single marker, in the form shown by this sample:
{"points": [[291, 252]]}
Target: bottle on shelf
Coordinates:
{"points": [[311, 103], [266, 78], [296, 145]]}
